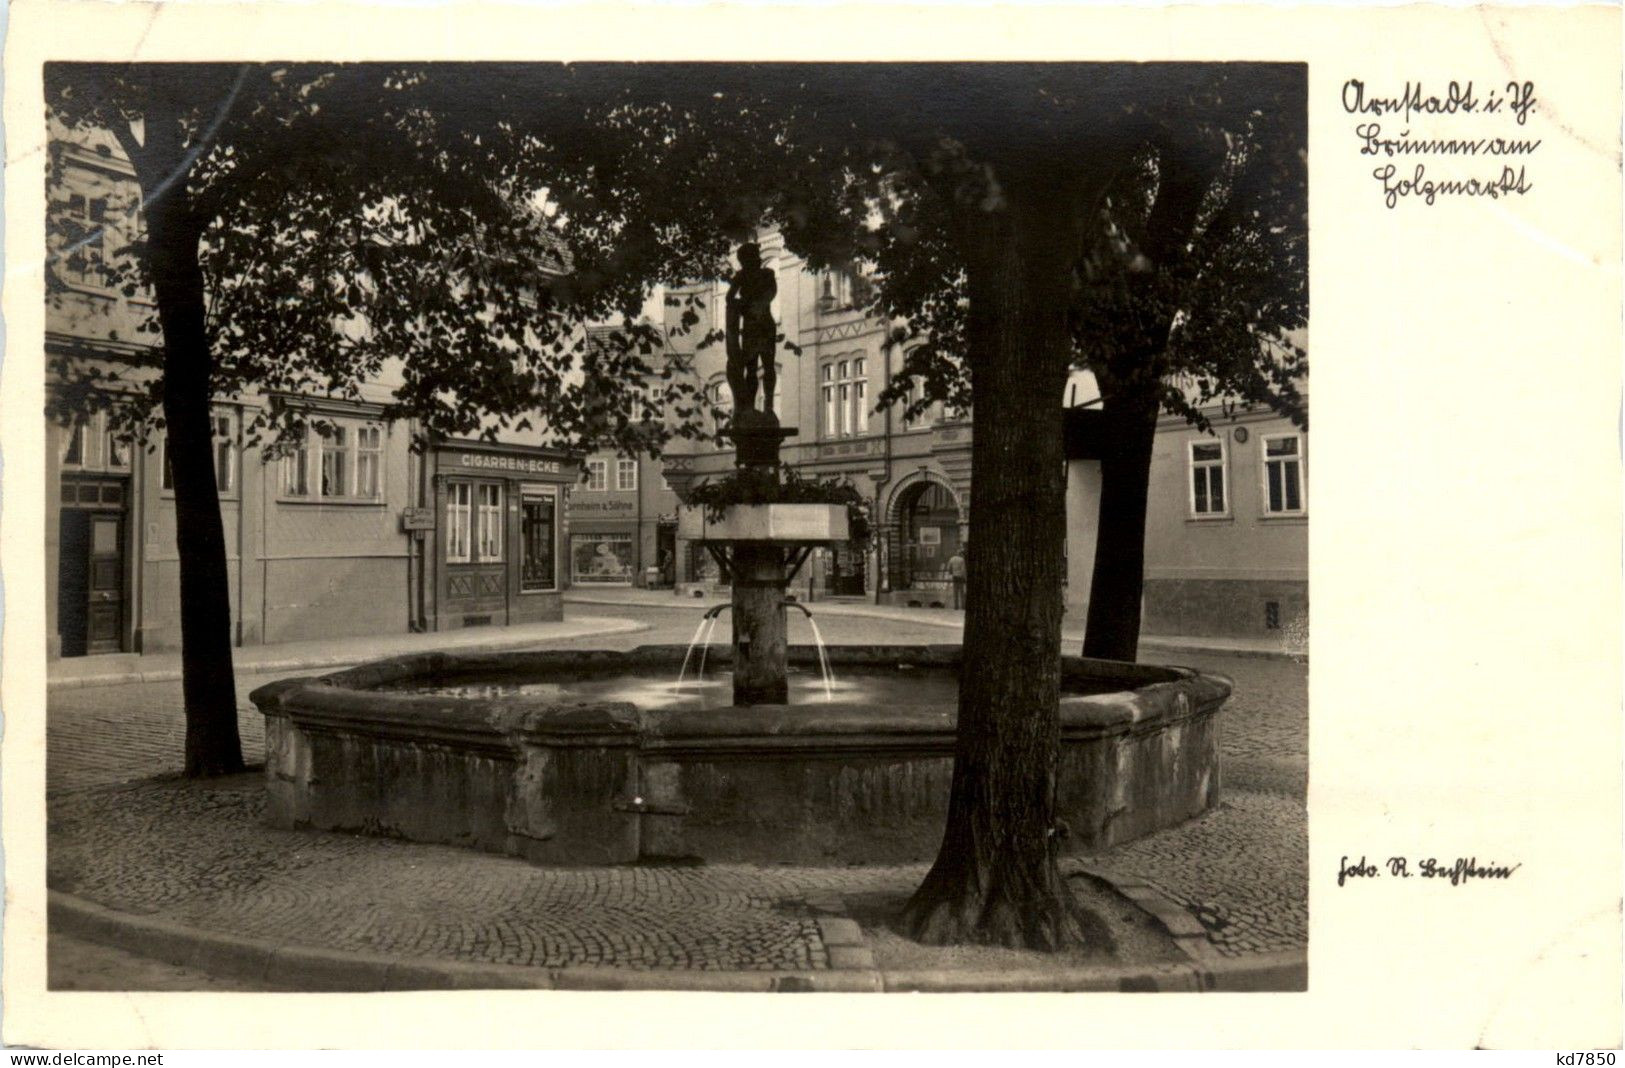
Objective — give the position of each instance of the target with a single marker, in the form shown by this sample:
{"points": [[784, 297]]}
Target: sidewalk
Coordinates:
{"points": [[112, 670], [79, 671], [1071, 629]]}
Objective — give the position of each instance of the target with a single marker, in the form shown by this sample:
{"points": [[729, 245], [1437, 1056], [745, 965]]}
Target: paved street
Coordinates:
{"points": [[202, 856]]}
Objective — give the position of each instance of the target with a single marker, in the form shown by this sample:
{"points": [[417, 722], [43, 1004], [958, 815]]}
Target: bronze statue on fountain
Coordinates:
{"points": [[751, 338]]}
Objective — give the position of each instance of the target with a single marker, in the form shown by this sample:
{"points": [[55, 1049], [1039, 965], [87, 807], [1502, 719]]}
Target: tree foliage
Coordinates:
{"points": [[1196, 278], [352, 224]]}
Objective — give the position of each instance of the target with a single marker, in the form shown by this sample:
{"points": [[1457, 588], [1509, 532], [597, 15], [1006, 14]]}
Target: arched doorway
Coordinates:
{"points": [[922, 535]]}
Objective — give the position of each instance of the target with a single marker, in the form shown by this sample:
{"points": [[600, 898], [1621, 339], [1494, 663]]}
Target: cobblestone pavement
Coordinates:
{"points": [[111, 734], [1242, 869], [200, 855]]}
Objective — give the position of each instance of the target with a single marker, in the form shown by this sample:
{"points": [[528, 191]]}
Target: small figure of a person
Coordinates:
{"points": [[956, 571], [749, 331]]}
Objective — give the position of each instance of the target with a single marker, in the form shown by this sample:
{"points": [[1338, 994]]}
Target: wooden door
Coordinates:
{"points": [[73, 580], [104, 613]]}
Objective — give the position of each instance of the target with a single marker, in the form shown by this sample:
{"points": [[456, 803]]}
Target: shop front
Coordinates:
{"points": [[603, 558], [499, 533], [607, 540]]}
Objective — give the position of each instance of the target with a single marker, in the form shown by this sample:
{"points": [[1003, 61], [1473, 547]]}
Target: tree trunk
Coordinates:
{"points": [[212, 743], [995, 879], [1113, 628]]}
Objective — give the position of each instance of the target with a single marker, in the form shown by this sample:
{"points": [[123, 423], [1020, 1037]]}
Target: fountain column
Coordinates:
{"points": [[760, 639], [760, 642]]}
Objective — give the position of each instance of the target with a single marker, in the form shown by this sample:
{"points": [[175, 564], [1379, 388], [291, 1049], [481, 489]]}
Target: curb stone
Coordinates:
{"points": [[1186, 931], [844, 944], [1167, 978], [304, 968], [1282, 971]]}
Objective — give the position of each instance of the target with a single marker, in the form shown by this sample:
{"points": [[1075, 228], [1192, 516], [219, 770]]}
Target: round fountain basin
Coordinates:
{"points": [[601, 757]]}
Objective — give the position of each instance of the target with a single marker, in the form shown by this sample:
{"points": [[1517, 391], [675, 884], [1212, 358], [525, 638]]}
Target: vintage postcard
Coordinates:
{"points": [[517, 513]]}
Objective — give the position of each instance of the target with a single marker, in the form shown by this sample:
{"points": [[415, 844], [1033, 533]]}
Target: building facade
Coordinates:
{"points": [[1227, 516], [346, 532]]}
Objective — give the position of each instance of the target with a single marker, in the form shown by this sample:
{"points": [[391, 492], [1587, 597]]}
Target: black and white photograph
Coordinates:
{"points": [[786, 526], [751, 526]]}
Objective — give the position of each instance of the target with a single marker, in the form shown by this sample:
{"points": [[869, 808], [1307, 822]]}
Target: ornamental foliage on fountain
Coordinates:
{"points": [[780, 485]]}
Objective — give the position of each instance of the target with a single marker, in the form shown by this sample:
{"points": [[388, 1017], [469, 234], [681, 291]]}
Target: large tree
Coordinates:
{"points": [[1195, 293], [298, 227]]}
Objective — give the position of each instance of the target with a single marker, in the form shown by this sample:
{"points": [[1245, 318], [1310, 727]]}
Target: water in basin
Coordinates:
{"points": [[656, 688], [659, 689]]}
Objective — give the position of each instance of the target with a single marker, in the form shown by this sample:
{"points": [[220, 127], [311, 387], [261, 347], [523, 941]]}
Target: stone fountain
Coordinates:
{"points": [[601, 757]]}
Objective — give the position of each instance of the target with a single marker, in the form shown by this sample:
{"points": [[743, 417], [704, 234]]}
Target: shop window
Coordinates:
{"points": [[601, 559], [538, 523], [626, 474], [597, 475], [459, 496], [490, 521], [1207, 478], [1283, 474]]}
